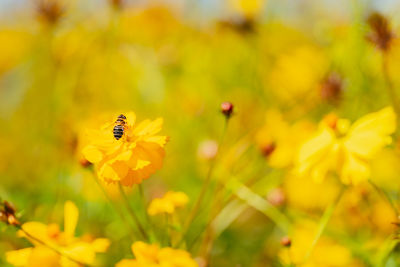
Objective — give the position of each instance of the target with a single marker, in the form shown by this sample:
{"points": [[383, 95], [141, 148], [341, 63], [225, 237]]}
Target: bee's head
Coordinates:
{"points": [[122, 116]]}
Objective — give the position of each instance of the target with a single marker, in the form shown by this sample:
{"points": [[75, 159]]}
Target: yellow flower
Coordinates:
{"points": [[326, 252], [248, 8], [79, 249], [306, 194], [277, 141], [292, 80], [346, 149], [129, 160], [152, 256], [168, 203]]}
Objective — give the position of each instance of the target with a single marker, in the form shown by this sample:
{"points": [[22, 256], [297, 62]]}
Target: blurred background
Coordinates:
{"points": [[64, 63]]}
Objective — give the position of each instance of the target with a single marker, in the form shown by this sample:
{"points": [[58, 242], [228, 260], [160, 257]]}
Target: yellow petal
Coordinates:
{"points": [[71, 215], [315, 149], [141, 164], [43, 256], [128, 263], [19, 257], [145, 252], [100, 244], [148, 127], [80, 251], [158, 139], [92, 154], [130, 118], [37, 230], [370, 133], [354, 170]]}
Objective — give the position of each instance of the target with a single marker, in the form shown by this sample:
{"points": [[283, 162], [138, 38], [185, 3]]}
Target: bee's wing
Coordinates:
{"points": [[108, 126]]}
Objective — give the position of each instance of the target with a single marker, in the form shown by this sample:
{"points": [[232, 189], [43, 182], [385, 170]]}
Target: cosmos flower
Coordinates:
{"points": [[247, 8], [132, 158], [326, 252], [276, 140], [168, 203], [346, 149], [80, 249], [152, 256]]}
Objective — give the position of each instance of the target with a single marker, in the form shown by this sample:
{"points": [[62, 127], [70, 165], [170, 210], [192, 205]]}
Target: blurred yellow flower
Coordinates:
{"points": [[292, 79], [326, 253], [15, 44], [346, 149], [248, 8], [79, 249], [129, 160], [168, 203], [306, 194], [152, 256], [277, 141]]}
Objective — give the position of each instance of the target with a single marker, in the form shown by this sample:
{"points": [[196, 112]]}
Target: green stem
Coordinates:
{"points": [[167, 230], [323, 223], [389, 85], [385, 196], [116, 207], [144, 203], [204, 188], [131, 211]]}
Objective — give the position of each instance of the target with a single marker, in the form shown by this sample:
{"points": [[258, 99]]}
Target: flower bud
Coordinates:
{"points": [[276, 197], [331, 88], [207, 149], [49, 11], [85, 163], [286, 242], [268, 149], [227, 109], [117, 4], [381, 35]]}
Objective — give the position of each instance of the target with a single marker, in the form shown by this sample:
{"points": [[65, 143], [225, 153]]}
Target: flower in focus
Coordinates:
{"points": [[152, 255], [79, 249], [344, 149], [277, 141], [168, 203], [131, 159]]}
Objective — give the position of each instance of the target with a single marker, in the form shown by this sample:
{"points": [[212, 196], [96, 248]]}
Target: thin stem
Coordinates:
{"points": [[143, 199], [131, 212], [385, 196], [389, 85], [323, 223], [50, 246], [205, 186], [167, 230], [116, 207], [148, 220]]}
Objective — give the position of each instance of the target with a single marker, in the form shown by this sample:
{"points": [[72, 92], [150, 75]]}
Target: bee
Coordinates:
{"points": [[120, 124]]}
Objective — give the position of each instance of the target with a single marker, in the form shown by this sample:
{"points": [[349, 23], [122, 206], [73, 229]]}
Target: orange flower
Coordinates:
{"points": [[132, 158]]}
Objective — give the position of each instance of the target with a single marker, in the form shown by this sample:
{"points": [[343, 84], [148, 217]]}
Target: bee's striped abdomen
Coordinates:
{"points": [[118, 131]]}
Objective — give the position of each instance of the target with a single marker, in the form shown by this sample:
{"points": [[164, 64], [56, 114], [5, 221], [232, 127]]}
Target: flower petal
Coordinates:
{"points": [[71, 215]]}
